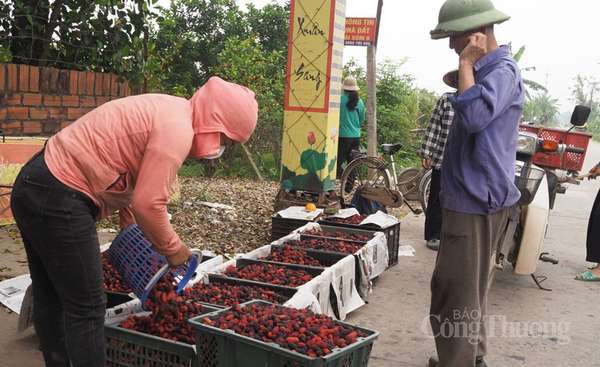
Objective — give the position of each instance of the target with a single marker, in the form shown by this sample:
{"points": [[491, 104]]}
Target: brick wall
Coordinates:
{"points": [[40, 101]]}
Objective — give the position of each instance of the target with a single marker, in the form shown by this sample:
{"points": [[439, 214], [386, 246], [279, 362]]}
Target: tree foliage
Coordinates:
{"points": [[586, 91], [531, 86], [245, 62], [175, 49], [541, 109], [100, 35], [270, 25], [189, 37], [401, 107]]}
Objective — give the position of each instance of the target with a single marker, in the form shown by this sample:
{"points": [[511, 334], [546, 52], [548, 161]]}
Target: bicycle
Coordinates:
{"points": [[377, 184], [415, 185]]}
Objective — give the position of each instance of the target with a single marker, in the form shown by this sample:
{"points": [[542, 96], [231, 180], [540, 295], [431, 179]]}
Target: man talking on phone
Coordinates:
{"points": [[477, 183]]}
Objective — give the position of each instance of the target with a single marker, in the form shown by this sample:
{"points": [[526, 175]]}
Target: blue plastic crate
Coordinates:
{"points": [[141, 267]]}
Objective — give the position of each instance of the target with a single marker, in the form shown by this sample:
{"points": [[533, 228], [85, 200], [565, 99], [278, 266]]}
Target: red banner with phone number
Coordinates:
{"points": [[360, 31]]}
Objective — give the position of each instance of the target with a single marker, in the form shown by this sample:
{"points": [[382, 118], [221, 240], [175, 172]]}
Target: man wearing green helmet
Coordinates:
{"points": [[477, 183]]}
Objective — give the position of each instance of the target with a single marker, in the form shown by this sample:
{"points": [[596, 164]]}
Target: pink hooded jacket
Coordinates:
{"points": [[126, 153]]}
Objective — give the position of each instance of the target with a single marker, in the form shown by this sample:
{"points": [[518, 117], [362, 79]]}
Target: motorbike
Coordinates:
{"points": [[547, 159]]}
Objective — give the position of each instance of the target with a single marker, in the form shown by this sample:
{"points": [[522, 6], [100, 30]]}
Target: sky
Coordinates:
{"points": [[560, 39]]}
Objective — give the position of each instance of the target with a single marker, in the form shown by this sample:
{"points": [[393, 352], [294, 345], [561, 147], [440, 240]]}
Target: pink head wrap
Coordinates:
{"points": [[221, 107]]}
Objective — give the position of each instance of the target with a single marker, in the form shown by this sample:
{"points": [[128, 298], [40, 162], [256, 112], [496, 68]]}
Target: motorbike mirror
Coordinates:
{"points": [[580, 115]]}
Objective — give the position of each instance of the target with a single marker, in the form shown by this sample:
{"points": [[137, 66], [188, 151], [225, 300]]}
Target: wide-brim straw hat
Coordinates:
{"points": [[350, 84]]}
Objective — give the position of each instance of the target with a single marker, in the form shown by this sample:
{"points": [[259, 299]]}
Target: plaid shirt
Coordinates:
{"points": [[437, 131]]}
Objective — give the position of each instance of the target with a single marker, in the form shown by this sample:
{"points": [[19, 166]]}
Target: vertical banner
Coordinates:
{"points": [[312, 95]]}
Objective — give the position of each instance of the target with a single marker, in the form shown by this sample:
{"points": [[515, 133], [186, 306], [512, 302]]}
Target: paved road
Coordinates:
{"points": [[563, 325]]}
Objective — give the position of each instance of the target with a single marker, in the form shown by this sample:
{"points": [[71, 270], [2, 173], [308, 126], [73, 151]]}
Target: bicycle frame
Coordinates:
{"points": [[395, 174], [422, 181], [394, 178], [392, 194]]}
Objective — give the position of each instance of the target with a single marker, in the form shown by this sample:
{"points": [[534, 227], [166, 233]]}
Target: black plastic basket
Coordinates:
{"points": [[326, 258], [318, 251], [129, 348], [225, 348], [330, 231], [281, 227], [285, 292], [278, 288], [392, 235], [528, 180], [241, 263], [114, 299]]}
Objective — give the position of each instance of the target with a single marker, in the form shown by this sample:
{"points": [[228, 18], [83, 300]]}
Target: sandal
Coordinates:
{"points": [[587, 276]]}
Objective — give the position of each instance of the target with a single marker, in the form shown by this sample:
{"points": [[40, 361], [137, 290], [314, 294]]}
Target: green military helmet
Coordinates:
{"points": [[458, 16]]}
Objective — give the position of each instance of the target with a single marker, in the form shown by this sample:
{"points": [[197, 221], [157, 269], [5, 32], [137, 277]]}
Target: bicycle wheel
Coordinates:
{"points": [[408, 183], [362, 172], [424, 189]]}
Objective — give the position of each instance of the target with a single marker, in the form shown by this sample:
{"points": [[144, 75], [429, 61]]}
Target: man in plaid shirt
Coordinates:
{"points": [[432, 153]]}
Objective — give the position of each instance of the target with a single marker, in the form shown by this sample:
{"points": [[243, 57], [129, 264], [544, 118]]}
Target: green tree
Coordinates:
{"points": [[270, 25], [191, 34], [249, 48], [530, 85], [541, 109], [586, 91], [5, 31], [401, 107], [244, 61], [95, 35], [189, 38]]}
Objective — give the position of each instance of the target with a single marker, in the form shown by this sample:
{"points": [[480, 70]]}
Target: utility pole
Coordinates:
{"points": [[372, 90]]}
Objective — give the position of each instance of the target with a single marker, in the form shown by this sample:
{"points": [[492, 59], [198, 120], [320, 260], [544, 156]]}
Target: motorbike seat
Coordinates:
{"points": [[391, 148]]}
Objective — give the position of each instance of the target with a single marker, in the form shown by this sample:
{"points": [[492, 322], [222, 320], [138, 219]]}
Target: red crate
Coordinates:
{"points": [[571, 161]]}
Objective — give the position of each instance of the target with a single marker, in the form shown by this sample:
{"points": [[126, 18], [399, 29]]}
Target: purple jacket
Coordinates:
{"points": [[478, 170]]}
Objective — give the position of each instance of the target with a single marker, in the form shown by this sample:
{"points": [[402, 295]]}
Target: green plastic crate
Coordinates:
{"points": [[225, 348], [129, 348]]}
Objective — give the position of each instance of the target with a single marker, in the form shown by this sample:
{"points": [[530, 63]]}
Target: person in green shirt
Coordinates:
{"points": [[352, 115]]}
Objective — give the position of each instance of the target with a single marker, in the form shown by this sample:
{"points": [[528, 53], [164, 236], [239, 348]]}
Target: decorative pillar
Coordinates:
{"points": [[312, 95]]}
